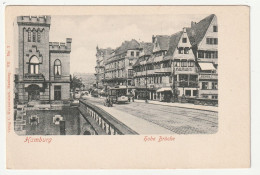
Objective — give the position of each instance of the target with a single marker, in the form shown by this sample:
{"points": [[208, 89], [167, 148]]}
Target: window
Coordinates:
{"points": [[184, 64], [57, 67], [57, 92], [29, 36], [214, 97], [184, 40], [177, 64], [34, 36], [204, 96], [132, 53], [195, 92], [191, 64], [34, 65], [214, 85], [186, 50], [180, 50], [137, 54], [166, 64], [212, 41], [215, 41], [208, 40], [187, 92], [130, 73], [200, 54], [204, 85], [130, 62], [208, 54], [155, 79], [38, 36], [215, 28], [216, 54]]}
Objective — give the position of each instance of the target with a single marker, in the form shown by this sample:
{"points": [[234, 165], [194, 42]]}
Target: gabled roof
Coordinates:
{"points": [[173, 43], [147, 48], [163, 41], [197, 32], [127, 45]]}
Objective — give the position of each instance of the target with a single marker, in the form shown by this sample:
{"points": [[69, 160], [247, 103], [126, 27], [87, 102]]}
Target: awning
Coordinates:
{"points": [[207, 66], [164, 89]]}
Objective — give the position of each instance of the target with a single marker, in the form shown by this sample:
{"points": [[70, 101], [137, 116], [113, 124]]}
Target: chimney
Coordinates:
{"points": [[153, 38], [184, 29], [68, 42], [193, 24]]}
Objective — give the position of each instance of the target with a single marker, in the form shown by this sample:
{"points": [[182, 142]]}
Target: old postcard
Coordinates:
{"points": [[94, 87]]}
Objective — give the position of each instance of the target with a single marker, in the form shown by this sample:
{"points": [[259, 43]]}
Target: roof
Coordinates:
{"points": [[147, 48], [163, 41], [173, 43], [127, 45], [106, 52], [197, 31]]}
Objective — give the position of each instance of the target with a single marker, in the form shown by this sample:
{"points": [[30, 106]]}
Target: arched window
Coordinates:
{"points": [[39, 36], [29, 35], [57, 67], [34, 36], [34, 65]]}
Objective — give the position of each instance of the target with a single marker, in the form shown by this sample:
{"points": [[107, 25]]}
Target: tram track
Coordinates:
{"points": [[180, 121]]}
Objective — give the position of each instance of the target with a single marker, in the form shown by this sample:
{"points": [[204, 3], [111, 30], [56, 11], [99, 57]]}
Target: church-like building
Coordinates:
{"points": [[43, 66]]}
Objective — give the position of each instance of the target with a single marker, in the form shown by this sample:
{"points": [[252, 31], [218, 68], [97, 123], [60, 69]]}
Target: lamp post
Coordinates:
{"points": [[146, 96], [173, 82], [182, 81]]}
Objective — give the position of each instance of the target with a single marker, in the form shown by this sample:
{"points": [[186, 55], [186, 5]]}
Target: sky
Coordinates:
{"points": [[110, 31]]}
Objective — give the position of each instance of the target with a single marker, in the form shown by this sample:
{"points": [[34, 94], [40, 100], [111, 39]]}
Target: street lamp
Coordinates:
{"points": [[182, 81]]}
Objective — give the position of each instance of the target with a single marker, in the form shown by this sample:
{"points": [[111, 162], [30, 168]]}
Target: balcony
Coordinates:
{"points": [[190, 84], [163, 70], [185, 70], [34, 77], [208, 76]]}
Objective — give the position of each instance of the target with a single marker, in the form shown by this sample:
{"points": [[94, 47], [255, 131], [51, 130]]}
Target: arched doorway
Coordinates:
{"points": [[33, 92]]}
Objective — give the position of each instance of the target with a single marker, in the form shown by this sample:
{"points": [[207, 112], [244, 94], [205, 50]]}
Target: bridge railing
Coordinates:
{"points": [[102, 122]]}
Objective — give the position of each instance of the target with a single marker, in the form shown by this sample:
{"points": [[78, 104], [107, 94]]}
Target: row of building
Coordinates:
{"points": [[184, 64]]}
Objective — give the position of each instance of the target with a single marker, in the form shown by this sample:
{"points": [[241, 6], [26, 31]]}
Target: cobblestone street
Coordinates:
{"points": [[175, 119]]}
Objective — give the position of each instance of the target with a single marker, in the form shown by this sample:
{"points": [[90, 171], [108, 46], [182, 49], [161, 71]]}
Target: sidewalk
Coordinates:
{"points": [[182, 105], [139, 125]]}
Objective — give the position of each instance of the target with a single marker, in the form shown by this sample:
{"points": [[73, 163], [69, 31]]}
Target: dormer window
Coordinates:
{"points": [[34, 65], [132, 53], [215, 28], [184, 40]]}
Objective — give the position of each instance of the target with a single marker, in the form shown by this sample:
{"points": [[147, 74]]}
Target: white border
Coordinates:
{"points": [[255, 87]]}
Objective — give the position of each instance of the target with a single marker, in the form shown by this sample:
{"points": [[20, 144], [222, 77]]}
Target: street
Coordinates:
{"points": [[178, 120]]}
